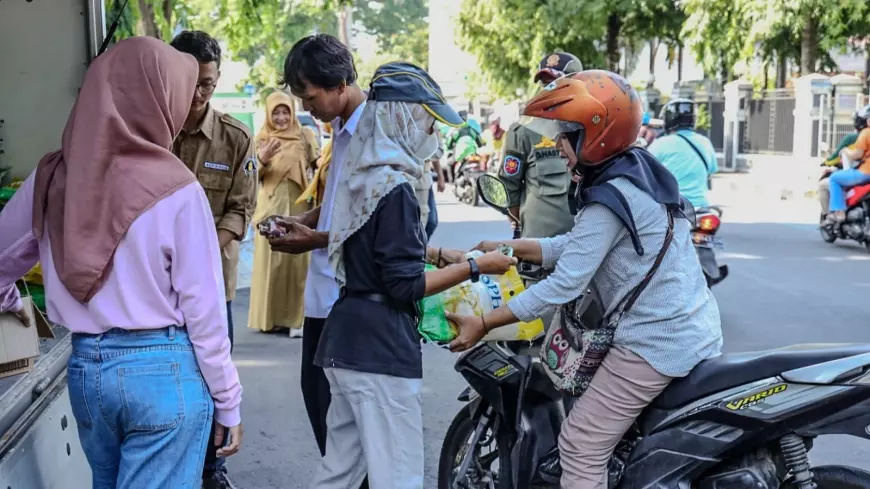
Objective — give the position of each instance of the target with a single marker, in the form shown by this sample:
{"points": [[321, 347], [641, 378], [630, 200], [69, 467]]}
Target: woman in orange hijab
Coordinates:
{"points": [[286, 158]]}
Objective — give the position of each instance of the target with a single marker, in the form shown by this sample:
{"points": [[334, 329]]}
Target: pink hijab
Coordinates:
{"points": [[115, 160]]}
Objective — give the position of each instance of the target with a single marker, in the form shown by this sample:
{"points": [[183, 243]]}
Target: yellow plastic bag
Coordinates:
{"points": [[491, 292], [34, 276]]}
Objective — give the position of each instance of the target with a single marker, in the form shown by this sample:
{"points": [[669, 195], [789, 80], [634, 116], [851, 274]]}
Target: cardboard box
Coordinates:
{"points": [[19, 344]]}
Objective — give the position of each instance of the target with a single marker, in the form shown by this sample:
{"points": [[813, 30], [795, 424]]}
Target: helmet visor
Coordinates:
{"points": [[547, 75], [549, 128]]}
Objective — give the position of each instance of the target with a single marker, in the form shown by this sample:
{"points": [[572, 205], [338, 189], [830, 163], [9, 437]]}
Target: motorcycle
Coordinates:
{"points": [[740, 420], [709, 219], [465, 174], [857, 223]]}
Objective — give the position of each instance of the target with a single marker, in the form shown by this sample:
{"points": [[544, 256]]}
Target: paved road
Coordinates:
{"points": [[786, 286]]}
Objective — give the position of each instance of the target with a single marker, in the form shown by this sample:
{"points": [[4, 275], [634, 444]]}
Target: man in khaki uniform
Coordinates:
{"points": [[533, 171], [219, 150]]}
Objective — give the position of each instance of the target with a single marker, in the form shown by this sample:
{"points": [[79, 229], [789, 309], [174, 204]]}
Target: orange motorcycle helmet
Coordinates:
{"points": [[599, 113]]}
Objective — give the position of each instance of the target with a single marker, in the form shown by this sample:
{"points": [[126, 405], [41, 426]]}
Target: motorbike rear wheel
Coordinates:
{"points": [[835, 477]]}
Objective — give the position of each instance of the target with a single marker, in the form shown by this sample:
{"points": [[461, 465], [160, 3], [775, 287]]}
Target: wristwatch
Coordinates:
{"points": [[475, 270]]}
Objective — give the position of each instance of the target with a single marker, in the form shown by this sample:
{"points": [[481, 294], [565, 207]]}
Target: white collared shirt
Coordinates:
{"points": [[321, 289]]}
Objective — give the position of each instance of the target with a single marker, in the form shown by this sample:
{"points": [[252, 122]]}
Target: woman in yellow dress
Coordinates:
{"points": [[286, 157]]}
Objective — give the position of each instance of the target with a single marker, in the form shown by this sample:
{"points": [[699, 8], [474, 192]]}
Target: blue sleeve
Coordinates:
{"points": [[399, 246], [660, 148]]}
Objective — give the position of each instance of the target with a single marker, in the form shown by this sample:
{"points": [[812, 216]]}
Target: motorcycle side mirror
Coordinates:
{"points": [[493, 192]]}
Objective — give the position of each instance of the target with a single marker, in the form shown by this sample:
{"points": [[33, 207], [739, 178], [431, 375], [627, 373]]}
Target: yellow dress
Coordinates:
{"points": [[278, 279]]}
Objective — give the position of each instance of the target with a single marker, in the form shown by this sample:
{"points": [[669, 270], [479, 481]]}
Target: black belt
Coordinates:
{"points": [[410, 309]]}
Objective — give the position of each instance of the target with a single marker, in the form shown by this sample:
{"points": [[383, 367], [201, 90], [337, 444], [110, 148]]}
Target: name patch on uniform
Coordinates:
{"points": [[547, 153], [250, 165], [216, 166], [511, 165]]}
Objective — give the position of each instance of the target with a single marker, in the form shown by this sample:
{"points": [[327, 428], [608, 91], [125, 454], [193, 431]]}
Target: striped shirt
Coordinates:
{"points": [[675, 322]]}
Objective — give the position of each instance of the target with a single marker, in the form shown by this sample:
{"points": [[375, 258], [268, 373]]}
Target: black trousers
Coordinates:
{"points": [[315, 387], [212, 462]]}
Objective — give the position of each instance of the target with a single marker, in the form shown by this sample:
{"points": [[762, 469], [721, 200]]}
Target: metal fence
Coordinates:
{"points": [[769, 126], [714, 104]]}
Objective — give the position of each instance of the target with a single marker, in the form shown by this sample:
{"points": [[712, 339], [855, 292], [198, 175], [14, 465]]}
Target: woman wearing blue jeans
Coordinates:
{"points": [[132, 268]]}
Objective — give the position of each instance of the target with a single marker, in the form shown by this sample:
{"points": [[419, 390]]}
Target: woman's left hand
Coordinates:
{"points": [[471, 331]]}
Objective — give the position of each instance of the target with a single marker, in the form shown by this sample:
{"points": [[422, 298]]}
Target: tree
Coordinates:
{"points": [[261, 32], [848, 26], [401, 27], [657, 23], [508, 37], [155, 18], [716, 32]]}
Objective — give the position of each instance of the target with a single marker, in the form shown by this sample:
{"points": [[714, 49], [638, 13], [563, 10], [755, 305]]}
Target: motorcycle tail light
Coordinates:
{"points": [[709, 223]]}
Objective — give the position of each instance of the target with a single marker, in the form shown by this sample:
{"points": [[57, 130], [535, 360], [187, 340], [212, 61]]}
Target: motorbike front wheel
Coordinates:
{"points": [[835, 477], [480, 473]]}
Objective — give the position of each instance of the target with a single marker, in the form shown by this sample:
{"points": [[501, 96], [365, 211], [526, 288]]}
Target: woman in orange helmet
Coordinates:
{"points": [[632, 247]]}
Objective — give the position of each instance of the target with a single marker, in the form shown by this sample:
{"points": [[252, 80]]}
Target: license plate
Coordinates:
{"points": [[708, 240]]}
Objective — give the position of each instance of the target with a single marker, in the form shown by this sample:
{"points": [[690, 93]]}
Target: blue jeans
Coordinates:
{"points": [[143, 409], [840, 181]]}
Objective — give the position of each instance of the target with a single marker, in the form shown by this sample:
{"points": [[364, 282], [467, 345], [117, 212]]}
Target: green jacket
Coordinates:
{"points": [[847, 141]]}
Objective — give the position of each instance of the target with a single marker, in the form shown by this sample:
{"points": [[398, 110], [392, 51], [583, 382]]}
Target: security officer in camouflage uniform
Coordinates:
{"points": [[220, 151], [533, 171]]}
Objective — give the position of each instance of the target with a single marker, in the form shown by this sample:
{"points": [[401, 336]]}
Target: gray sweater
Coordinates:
{"points": [[675, 322]]}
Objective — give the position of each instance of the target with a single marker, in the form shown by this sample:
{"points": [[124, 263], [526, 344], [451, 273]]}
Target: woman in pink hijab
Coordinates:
{"points": [[132, 267]]}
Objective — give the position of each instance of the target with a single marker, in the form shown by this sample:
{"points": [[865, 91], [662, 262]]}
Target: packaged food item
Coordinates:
{"points": [[476, 299], [269, 228]]}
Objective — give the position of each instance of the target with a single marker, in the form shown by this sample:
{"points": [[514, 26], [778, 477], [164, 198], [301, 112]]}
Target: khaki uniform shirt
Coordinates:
{"points": [[221, 154], [537, 179]]}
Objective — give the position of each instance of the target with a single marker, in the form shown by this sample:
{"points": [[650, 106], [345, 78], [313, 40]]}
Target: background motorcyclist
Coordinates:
{"points": [[834, 161], [849, 177], [493, 138], [533, 170], [647, 134], [465, 141], [689, 156]]}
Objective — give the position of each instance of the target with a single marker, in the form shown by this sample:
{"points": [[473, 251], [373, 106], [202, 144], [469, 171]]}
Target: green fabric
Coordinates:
{"points": [[6, 194], [36, 293], [849, 140], [465, 147], [434, 326]]}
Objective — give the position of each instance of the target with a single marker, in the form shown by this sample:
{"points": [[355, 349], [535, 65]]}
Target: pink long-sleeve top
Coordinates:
{"points": [[166, 271]]}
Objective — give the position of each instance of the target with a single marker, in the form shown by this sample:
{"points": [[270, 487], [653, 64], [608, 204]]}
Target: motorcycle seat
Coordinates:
{"points": [[856, 194], [734, 369]]}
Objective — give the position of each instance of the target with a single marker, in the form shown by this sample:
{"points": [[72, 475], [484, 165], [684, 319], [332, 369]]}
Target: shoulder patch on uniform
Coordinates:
{"points": [[232, 121], [511, 165], [250, 166], [545, 143]]}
